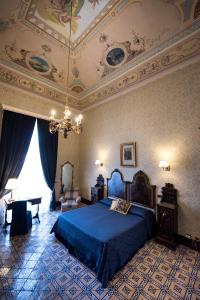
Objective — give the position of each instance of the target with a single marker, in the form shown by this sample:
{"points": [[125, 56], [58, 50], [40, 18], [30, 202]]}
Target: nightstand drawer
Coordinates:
{"points": [[165, 223]]}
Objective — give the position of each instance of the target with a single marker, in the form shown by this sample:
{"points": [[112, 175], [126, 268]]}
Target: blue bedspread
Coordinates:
{"points": [[103, 239]]}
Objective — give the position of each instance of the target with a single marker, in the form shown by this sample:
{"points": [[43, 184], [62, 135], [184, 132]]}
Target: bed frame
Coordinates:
{"points": [[106, 252], [139, 190]]}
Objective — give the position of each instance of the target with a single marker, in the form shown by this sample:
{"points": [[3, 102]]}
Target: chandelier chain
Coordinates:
{"points": [[66, 125], [69, 50]]}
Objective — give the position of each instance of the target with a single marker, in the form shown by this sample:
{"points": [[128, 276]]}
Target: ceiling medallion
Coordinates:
{"points": [[119, 53], [38, 63], [115, 55]]}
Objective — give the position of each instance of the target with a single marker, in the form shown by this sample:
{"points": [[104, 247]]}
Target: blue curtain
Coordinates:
{"points": [[17, 130], [48, 145]]}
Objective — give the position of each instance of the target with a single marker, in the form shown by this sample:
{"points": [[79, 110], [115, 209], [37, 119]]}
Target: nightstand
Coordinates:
{"points": [[167, 224], [97, 193]]}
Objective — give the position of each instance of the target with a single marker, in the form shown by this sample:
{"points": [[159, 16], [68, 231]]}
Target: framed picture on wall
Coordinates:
{"points": [[128, 154]]}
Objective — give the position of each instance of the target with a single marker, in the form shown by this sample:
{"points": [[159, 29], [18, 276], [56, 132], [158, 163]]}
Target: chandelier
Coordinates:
{"points": [[66, 125]]}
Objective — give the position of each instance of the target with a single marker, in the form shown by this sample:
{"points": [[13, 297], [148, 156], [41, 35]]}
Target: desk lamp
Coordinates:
{"points": [[12, 184]]}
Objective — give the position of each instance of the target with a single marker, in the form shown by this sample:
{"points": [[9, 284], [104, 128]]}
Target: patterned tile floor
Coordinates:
{"points": [[37, 266]]}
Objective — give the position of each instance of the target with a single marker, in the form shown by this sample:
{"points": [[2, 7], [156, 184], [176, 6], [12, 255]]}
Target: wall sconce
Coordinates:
{"points": [[98, 163], [164, 165]]}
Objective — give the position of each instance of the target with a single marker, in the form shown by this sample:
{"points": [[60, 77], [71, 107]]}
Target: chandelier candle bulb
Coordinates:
{"points": [[77, 121], [53, 113], [67, 112], [80, 118]]}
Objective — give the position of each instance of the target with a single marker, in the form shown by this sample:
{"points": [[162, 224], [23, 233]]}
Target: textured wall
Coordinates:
{"points": [[67, 149], [163, 119]]}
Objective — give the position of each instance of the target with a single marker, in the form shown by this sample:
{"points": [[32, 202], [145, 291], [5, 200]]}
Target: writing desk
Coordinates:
{"points": [[9, 205]]}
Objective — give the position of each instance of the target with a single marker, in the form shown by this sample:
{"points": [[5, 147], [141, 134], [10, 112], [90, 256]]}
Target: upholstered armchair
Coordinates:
{"points": [[70, 199]]}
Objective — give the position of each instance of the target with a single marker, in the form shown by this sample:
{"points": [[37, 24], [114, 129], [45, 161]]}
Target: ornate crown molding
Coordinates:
{"points": [[180, 53], [30, 85]]}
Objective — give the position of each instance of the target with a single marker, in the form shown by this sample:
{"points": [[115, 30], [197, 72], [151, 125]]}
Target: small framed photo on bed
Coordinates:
{"points": [[128, 154]]}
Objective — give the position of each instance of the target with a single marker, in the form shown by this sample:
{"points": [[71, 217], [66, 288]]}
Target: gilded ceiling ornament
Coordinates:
{"points": [[46, 48], [77, 86], [6, 24], [119, 53], [37, 62], [75, 70], [103, 38], [94, 2], [3, 25], [138, 42]]}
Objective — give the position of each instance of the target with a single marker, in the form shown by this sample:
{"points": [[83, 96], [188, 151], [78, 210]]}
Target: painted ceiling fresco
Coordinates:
{"points": [[115, 44], [53, 16]]}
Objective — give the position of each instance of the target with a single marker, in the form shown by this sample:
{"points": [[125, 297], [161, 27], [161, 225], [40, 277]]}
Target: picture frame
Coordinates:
{"points": [[128, 154]]}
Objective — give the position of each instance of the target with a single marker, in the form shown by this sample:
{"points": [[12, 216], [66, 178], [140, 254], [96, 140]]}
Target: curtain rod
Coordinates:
{"points": [[24, 112]]}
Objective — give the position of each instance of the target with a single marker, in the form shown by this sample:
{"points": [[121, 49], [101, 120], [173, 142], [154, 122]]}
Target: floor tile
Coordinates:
{"points": [[37, 267], [8, 295], [24, 295], [30, 284]]}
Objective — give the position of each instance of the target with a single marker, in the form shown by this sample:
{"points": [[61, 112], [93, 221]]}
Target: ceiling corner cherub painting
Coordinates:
{"points": [[57, 13]]}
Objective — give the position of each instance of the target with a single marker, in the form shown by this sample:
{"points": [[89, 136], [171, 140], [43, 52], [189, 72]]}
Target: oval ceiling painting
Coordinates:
{"points": [[115, 56], [38, 64]]}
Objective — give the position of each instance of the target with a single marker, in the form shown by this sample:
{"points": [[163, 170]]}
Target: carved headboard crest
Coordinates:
{"points": [[116, 186], [141, 191]]}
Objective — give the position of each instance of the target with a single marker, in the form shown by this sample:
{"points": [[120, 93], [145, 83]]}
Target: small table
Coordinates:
{"points": [[35, 201]]}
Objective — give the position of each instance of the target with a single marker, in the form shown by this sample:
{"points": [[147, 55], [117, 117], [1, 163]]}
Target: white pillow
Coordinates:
{"points": [[121, 206], [114, 204]]}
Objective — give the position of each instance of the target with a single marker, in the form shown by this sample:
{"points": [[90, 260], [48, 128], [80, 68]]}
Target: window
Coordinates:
{"points": [[31, 179]]}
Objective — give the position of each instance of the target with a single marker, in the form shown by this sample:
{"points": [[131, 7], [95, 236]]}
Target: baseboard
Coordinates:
{"points": [[86, 201], [58, 204], [193, 244]]}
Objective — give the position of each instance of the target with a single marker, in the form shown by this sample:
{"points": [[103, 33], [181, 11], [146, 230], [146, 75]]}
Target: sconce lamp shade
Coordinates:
{"points": [[12, 184], [98, 163], [164, 165]]}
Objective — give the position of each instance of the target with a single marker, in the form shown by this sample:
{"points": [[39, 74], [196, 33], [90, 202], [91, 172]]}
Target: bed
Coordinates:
{"points": [[105, 240]]}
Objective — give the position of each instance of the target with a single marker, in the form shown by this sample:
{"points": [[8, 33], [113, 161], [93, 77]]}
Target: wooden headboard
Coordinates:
{"points": [[116, 186], [141, 191]]}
